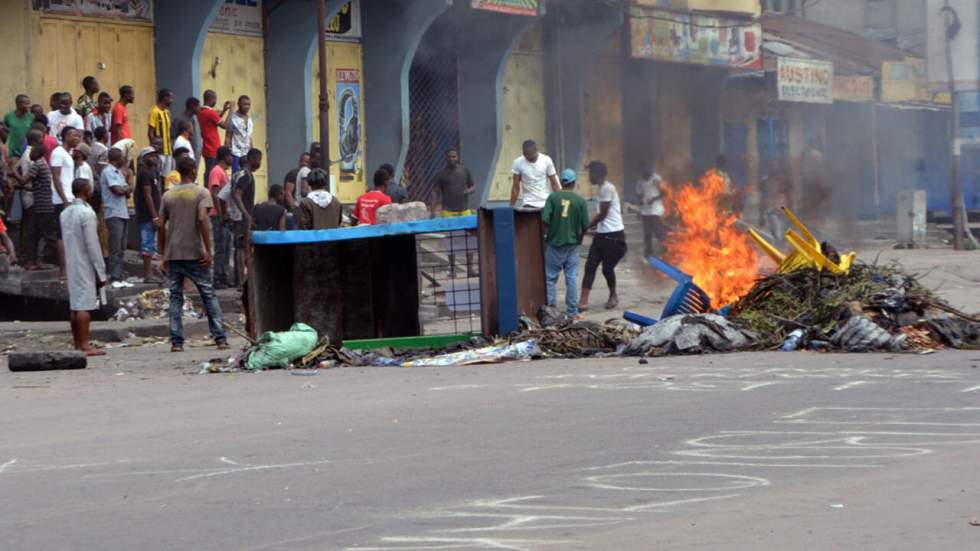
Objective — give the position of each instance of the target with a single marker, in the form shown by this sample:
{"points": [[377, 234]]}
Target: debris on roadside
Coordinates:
{"points": [[280, 349], [153, 304], [869, 308], [690, 334]]}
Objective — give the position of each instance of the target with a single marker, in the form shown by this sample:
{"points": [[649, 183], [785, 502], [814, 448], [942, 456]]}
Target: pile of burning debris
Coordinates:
{"points": [[869, 308]]}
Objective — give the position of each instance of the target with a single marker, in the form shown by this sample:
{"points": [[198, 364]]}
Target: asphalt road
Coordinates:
{"points": [[745, 451]]}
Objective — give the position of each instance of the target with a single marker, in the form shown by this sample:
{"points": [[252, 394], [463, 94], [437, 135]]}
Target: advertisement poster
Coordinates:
{"points": [[133, 10], [346, 25], [512, 7], [663, 35], [242, 17], [859, 88], [805, 80], [347, 105]]}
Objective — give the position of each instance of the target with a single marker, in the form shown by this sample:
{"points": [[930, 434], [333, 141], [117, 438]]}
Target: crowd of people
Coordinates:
{"points": [[71, 174]]}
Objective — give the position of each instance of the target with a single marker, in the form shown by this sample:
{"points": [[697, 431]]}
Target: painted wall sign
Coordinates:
{"points": [[906, 81], [513, 7], [346, 25], [858, 88], [663, 35], [348, 138], [243, 17], [134, 10], [805, 80]]}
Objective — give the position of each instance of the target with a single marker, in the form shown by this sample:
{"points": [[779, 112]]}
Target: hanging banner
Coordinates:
{"points": [[132, 10], [512, 7], [241, 17], [663, 35], [805, 80], [346, 25], [859, 88]]}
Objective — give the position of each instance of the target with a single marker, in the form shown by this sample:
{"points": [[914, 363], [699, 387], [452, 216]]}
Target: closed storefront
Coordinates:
{"points": [[114, 48], [232, 65], [522, 109]]}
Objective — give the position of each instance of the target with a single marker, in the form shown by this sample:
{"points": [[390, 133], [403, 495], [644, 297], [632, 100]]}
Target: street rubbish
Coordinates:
{"points": [[687, 297], [689, 334], [860, 334], [278, 349], [45, 361], [579, 339], [792, 342], [153, 304], [525, 350], [871, 307]]}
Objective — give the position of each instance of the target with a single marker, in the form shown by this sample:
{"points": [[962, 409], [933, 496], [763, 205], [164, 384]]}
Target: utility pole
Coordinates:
{"points": [[955, 193], [324, 101]]}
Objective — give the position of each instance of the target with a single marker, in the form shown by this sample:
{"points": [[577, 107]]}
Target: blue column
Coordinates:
{"points": [[180, 27], [484, 41], [290, 49], [392, 30]]}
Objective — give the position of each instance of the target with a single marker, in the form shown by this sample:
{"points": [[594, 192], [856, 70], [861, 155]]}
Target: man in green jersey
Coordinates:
{"points": [[566, 218]]}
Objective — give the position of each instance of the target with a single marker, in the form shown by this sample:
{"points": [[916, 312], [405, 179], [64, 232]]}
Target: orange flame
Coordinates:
{"points": [[708, 246]]}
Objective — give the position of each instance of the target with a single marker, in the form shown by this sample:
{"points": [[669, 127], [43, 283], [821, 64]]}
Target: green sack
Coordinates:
{"points": [[278, 349]]}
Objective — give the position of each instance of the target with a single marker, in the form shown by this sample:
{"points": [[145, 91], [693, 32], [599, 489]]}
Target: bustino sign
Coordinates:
{"points": [[805, 80]]}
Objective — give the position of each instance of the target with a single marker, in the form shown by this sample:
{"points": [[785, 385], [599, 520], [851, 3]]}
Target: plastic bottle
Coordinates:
{"points": [[792, 342]]}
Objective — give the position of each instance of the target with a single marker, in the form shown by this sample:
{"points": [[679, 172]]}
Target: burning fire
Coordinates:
{"points": [[707, 245]]}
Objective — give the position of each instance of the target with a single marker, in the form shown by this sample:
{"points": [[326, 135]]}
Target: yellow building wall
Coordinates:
{"points": [[522, 109], [341, 55], [603, 117], [240, 71], [744, 7], [15, 28], [66, 50]]}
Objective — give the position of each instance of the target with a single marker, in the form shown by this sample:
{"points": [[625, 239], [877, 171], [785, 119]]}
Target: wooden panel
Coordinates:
{"points": [[529, 253], [489, 317], [240, 71]]}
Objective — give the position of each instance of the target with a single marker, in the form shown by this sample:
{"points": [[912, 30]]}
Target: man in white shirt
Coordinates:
{"points": [[535, 178], [64, 117], [650, 191], [239, 124], [62, 176], [185, 129], [609, 241]]}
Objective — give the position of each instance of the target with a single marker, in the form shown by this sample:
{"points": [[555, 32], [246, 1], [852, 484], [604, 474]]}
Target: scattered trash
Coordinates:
{"points": [[304, 372], [121, 284], [690, 334], [860, 334], [153, 304], [792, 342], [836, 505], [278, 349], [525, 350], [870, 307]]}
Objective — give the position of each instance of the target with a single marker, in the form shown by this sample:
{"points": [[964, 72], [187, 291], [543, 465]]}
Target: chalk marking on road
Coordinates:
{"points": [[521, 522], [21, 468], [243, 469], [718, 453], [971, 389], [758, 385], [851, 384], [3, 467], [737, 482], [462, 543], [457, 387], [742, 464], [666, 504]]}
